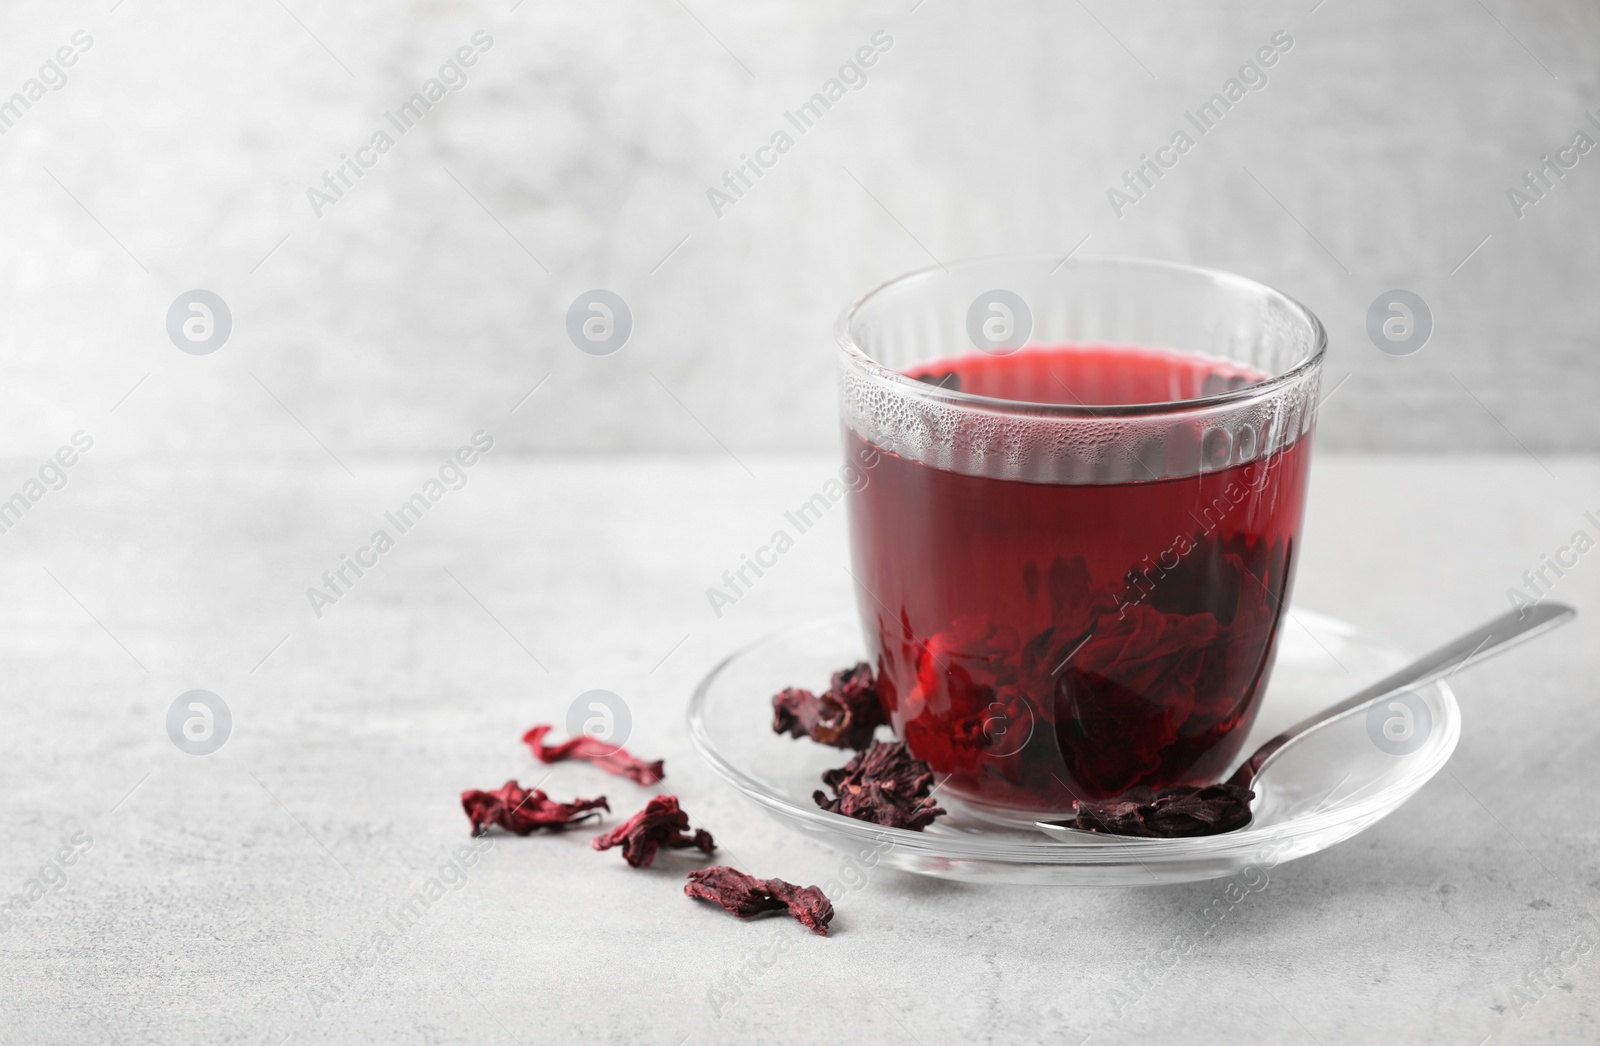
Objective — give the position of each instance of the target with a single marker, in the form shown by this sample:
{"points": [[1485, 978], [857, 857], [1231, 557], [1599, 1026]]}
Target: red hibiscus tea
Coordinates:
{"points": [[1072, 561], [1071, 640]]}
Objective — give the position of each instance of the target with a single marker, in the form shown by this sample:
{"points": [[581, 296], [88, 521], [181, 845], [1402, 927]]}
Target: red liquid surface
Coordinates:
{"points": [[1047, 642]]}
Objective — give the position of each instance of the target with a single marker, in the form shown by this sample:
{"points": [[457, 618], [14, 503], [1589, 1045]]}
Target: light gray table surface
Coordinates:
{"points": [[238, 896]]}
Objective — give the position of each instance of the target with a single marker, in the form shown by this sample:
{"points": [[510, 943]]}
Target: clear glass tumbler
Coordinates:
{"points": [[1076, 534]]}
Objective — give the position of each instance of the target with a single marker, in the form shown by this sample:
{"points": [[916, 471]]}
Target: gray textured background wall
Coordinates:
{"points": [[431, 297]]}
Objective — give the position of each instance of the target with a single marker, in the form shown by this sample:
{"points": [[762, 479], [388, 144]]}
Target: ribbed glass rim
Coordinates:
{"points": [[1265, 387]]}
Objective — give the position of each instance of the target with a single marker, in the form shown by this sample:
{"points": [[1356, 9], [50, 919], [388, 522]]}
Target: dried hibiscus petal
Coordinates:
{"points": [[745, 896], [518, 810], [844, 717], [884, 785], [607, 757], [1179, 812], [660, 824]]}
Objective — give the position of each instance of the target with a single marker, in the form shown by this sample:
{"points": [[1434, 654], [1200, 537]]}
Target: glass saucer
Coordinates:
{"points": [[1319, 792]]}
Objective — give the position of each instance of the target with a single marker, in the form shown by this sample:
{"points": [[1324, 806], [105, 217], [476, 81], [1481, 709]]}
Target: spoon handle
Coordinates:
{"points": [[1479, 644]]}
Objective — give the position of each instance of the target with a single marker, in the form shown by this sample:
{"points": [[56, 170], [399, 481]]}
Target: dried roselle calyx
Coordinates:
{"points": [[746, 896], [518, 810], [608, 757], [883, 785], [660, 824], [844, 717], [1180, 812]]}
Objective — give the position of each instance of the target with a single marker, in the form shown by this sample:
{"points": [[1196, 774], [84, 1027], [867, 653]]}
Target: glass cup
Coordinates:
{"points": [[1074, 532]]}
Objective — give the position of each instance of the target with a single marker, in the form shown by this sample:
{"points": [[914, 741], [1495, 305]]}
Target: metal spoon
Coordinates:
{"points": [[1226, 807]]}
